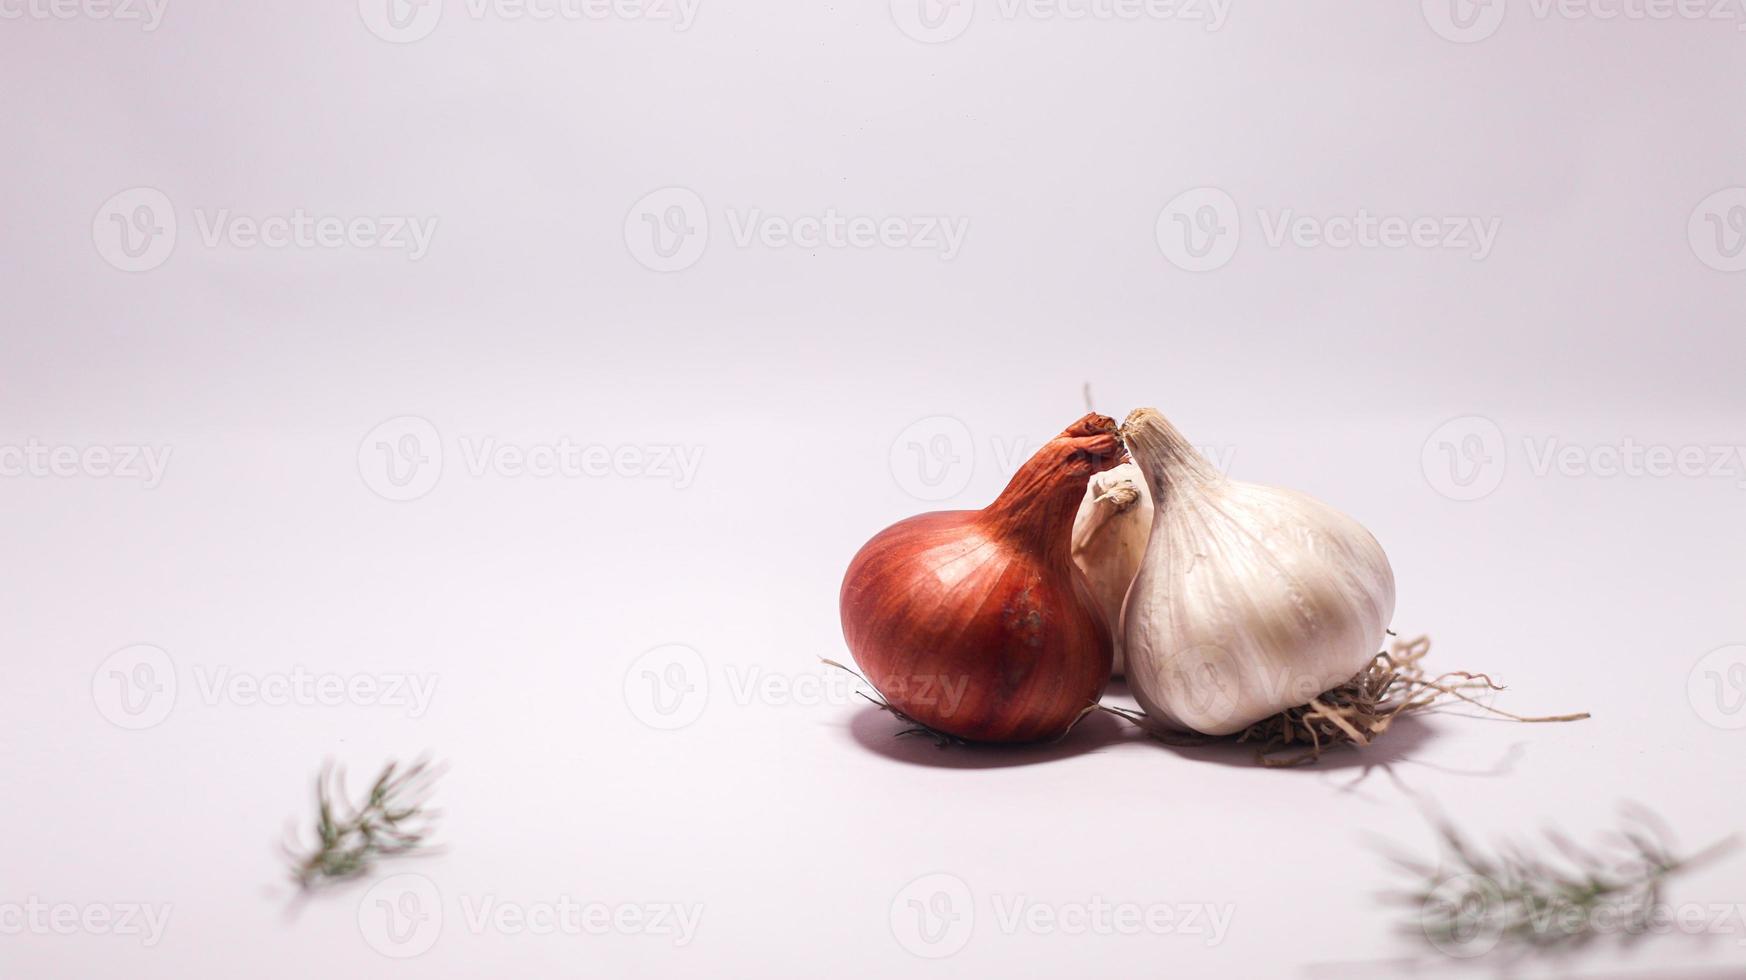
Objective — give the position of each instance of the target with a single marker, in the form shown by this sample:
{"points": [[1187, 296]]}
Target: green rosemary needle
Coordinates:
{"points": [[391, 820], [1523, 901]]}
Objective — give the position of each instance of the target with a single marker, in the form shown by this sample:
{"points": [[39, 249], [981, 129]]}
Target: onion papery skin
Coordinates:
{"points": [[975, 623]]}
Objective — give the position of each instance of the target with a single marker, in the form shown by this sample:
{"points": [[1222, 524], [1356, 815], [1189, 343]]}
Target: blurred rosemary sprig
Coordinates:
{"points": [[1528, 902], [391, 820]]}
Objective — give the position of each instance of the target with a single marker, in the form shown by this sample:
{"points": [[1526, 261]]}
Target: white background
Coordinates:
{"points": [[806, 377]]}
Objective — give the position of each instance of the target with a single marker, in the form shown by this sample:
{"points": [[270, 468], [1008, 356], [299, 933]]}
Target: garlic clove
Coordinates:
{"points": [[1109, 540]]}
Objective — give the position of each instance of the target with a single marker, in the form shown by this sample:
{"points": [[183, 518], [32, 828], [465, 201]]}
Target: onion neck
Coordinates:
{"points": [[1036, 510], [1165, 457]]}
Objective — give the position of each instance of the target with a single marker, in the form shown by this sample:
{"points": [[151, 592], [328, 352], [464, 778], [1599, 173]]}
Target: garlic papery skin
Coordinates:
{"points": [[1109, 539], [1249, 599]]}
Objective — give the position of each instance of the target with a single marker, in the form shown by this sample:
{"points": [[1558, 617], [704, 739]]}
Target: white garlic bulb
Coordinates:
{"points": [[1250, 599], [1109, 539]]}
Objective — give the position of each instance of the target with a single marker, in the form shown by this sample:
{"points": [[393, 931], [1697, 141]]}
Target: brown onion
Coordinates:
{"points": [[975, 623]]}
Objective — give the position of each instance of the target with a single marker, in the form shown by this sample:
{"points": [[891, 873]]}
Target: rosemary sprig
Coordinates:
{"points": [[392, 820], [1526, 902]]}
